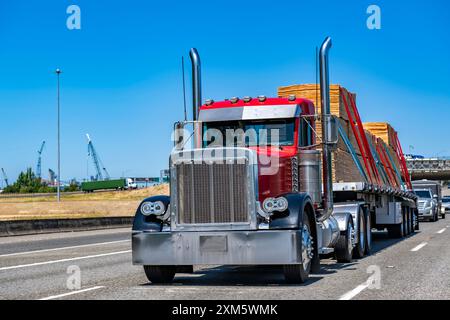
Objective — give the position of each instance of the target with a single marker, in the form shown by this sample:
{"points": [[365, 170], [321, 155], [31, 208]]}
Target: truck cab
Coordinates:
{"points": [[256, 188]]}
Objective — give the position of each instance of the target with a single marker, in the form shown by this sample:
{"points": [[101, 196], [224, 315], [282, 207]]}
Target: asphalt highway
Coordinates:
{"points": [[97, 265]]}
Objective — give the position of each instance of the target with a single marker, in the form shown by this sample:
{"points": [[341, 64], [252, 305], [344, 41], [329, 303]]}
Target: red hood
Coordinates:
{"points": [[276, 181]]}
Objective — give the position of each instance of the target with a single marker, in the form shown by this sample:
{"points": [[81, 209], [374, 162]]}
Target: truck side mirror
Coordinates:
{"points": [[333, 132], [178, 136]]}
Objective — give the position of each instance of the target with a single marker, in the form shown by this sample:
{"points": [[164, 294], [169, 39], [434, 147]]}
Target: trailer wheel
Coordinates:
{"points": [[299, 273], [416, 220], [396, 231], [406, 222], [160, 274], [411, 220], [344, 246], [360, 248], [368, 234]]}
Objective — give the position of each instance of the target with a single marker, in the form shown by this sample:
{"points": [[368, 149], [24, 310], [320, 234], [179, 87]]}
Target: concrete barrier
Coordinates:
{"points": [[24, 227]]}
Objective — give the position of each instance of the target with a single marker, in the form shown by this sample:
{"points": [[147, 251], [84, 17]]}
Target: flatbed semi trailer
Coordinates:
{"points": [[272, 203]]}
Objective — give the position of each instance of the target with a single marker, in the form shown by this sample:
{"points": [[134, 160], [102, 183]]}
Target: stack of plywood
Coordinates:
{"points": [[312, 92], [380, 135], [384, 131], [344, 168], [388, 136]]}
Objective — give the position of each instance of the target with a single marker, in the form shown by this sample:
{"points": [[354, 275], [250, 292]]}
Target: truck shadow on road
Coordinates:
{"points": [[237, 276], [381, 242], [273, 275]]}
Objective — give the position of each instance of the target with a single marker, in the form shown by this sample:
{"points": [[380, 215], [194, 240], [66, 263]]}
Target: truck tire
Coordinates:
{"points": [[406, 222], [344, 246], [368, 234], [443, 216], [411, 221], [360, 248], [185, 269], [416, 219], [160, 274], [396, 231], [299, 273]]}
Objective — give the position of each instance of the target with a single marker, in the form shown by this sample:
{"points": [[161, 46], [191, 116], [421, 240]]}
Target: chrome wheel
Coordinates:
{"points": [[368, 234], [307, 247], [351, 239]]}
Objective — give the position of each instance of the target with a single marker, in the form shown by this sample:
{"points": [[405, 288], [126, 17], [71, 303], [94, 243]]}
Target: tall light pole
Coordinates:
{"points": [[58, 186]]}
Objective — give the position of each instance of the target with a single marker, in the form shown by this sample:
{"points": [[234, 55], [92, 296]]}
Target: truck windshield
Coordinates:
{"points": [[278, 132], [423, 194]]}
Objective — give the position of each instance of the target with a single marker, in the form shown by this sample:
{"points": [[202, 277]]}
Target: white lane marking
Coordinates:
{"points": [[353, 293], [420, 246], [62, 248], [64, 260], [71, 293], [442, 230]]}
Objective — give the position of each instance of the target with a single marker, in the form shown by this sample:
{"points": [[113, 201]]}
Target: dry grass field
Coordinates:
{"points": [[100, 204]]}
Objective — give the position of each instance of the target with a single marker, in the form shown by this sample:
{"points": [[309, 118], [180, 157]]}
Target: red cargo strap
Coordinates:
{"points": [[390, 168], [403, 165], [364, 138], [355, 133]]}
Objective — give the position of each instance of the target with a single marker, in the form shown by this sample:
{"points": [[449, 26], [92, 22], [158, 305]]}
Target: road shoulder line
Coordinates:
{"points": [[71, 293]]}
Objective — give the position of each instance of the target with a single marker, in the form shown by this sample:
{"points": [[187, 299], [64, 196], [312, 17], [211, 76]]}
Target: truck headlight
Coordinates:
{"points": [[279, 204], [156, 208]]}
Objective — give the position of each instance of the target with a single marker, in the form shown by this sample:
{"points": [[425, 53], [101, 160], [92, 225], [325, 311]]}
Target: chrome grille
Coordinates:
{"points": [[211, 192], [421, 205]]}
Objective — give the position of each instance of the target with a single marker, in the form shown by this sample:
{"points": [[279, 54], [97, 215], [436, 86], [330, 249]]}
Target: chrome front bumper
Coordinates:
{"points": [[214, 248]]}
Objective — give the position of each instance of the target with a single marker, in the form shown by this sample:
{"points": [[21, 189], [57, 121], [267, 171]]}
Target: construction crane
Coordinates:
{"points": [[5, 178], [99, 167], [52, 176], [38, 167]]}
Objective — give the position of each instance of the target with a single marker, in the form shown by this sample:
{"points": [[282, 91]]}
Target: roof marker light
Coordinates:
{"points": [[234, 99], [292, 97], [262, 98], [209, 102], [247, 99]]}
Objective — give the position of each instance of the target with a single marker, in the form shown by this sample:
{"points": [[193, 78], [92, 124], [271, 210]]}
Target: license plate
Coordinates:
{"points": [[213, 243]]}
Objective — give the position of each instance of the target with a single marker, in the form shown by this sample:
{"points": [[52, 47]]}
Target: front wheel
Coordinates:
{"points": [[299, 273], [160, 274]]}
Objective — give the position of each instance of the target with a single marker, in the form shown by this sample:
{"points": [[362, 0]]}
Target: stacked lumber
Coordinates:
{"points": [[344, 168], [384, 131], [312, 92], [381, 137]]}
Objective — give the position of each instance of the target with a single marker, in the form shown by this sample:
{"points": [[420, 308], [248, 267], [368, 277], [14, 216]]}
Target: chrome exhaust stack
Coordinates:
{"points": [[326, 131], [196, 82], [196, 95]]}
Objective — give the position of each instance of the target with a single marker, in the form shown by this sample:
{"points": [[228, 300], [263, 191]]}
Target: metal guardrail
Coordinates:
{"points": [[431, 168], [45, 195]]}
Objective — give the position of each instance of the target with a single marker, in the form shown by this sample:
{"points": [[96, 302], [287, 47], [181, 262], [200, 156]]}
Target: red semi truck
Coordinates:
{"points": [[271, 203]]}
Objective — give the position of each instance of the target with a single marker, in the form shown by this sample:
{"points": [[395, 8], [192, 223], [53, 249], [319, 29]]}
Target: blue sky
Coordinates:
{"points": [[121, 80]]}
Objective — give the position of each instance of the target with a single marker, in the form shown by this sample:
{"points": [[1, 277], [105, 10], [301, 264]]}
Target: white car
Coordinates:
{"points": [[427, 205]]}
